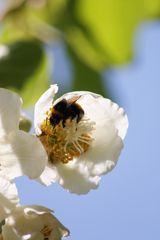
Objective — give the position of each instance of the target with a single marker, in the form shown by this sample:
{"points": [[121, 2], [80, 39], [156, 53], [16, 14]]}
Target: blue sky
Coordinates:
{"points": [[127, 203]]}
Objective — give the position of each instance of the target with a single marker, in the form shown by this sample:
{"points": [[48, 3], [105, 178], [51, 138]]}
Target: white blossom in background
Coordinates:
{"points": [[4, 51], [20, 153], [8, 197], [83, 136], [33, 222]]}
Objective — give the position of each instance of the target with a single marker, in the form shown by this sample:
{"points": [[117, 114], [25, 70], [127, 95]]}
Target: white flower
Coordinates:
{"points": [[33, 222], [20, 153], [8, 197], [83, 135]]}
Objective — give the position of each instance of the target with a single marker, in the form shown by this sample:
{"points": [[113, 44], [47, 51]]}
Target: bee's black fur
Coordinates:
{"points": [[64, 110]]}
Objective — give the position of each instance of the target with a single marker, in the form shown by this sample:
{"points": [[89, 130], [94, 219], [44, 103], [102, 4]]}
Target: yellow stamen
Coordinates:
{"points": [[56, 143]]}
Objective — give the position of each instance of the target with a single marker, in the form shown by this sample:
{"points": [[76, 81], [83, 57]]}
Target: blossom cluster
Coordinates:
{"points": [[78, 138]]}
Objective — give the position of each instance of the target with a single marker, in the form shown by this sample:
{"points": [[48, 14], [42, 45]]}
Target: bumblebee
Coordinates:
{"points": [[66, 109]]}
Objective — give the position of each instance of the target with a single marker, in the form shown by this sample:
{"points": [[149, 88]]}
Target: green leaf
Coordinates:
{"points": [[24, 69], [101, 32]]}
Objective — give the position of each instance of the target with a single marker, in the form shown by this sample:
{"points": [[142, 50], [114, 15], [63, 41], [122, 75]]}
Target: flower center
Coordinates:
{"points": [[46, 231], [65, 140]]}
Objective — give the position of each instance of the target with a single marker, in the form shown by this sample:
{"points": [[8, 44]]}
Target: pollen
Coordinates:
{"points": [[64, 143]]}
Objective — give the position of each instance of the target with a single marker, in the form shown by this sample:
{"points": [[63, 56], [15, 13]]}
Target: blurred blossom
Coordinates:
{"points": [[4, 51], [33, 222], [20, 153], [83, 134], [8, 197]]}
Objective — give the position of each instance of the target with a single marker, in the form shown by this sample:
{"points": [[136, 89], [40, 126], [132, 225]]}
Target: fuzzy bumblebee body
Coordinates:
{"points": [[64, 110]]}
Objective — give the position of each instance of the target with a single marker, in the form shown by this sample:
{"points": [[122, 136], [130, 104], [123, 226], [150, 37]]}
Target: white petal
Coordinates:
{"points": [[59, 230], [42, 106], [9, 234], [104, 151], [48, 176], [72, 176], [22, 154], [36, 209], [33, 224], [23, 223], [116, 114], [10, 104], [97, 108], [8, 197], [78, 179], [37, 236]]}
